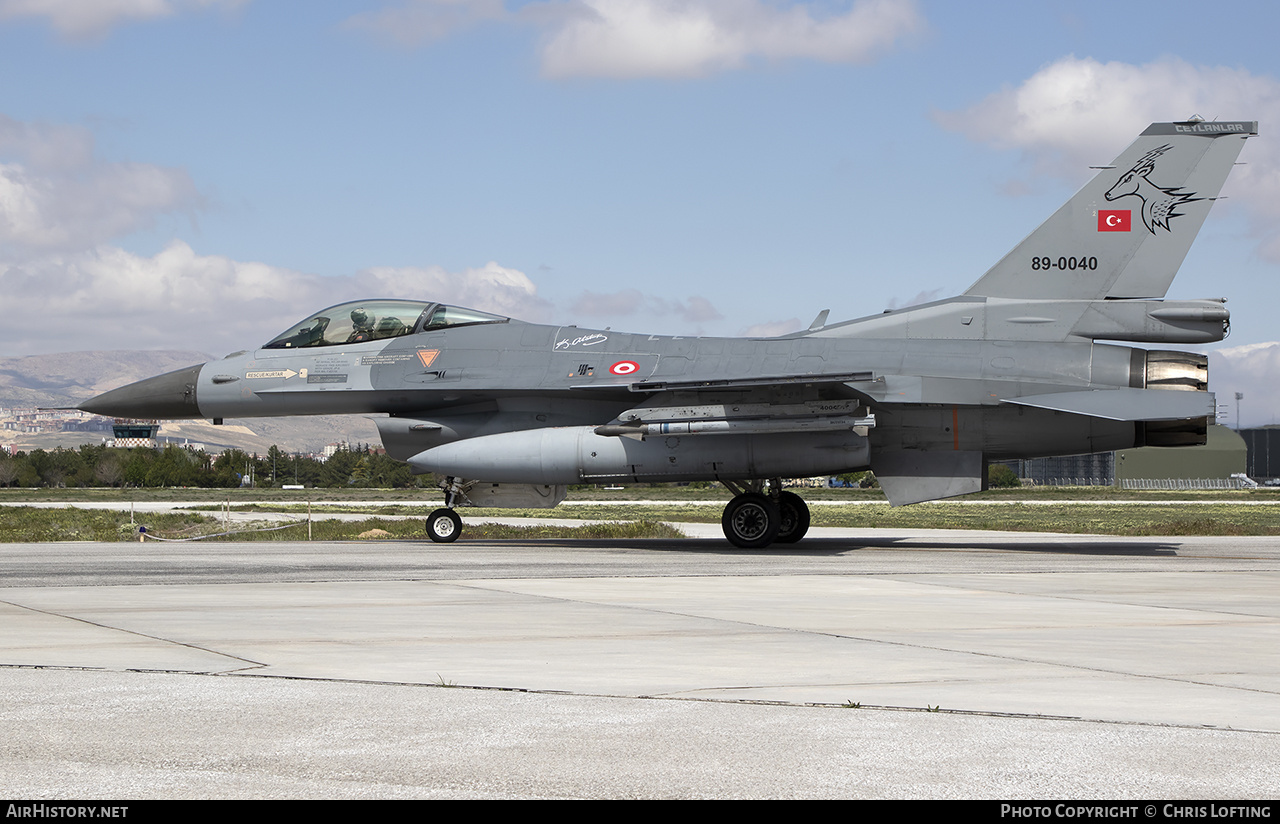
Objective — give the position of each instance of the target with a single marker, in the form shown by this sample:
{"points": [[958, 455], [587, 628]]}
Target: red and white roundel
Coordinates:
{"points": [[624, 367]]}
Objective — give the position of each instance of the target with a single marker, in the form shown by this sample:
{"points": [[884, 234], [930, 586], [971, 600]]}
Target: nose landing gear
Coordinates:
{"points": [[444, 526]]}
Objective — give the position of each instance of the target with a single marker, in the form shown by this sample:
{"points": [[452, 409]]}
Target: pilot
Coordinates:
{"points": [[361, 326]]}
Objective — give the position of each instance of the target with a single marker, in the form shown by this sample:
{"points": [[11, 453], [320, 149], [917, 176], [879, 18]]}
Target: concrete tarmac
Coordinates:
{"points": [[859, 663]]}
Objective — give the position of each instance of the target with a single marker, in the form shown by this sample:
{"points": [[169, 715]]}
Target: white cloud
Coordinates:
{"points": [[1078, 112], [665, 38], [108, 298], [489, 288], [46, 146], [697, 309], [688, 38], [772, 328], [56, 196], [1254, 371], [85, 19], [641, 38], [71, 212]]}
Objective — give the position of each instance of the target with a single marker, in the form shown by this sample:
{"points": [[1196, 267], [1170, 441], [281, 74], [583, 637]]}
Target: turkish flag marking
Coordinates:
{"points": [[1113, 220]]}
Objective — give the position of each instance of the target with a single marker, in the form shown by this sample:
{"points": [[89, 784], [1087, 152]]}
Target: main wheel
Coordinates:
{"points": [[750, 521], [795, 518], [444, 526]]}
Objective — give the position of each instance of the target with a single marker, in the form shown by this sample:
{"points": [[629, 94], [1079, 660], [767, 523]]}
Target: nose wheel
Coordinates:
{"points": [[444, 526]]}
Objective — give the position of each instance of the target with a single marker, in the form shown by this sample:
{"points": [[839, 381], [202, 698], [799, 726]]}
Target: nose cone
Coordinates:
{"points": [[171, 395]]}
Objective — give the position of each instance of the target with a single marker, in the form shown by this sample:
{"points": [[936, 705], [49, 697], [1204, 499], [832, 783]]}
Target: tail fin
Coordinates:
{"points": [[1125, 234]]}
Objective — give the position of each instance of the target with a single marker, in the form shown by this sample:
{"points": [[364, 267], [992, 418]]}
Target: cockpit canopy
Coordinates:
{"points": [[367, 320]]}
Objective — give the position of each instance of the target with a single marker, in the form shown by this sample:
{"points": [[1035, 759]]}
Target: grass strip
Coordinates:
{"points": [[39, 524]]}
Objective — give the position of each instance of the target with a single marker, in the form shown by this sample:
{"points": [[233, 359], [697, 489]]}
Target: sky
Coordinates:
{"points": [[202, 174]]}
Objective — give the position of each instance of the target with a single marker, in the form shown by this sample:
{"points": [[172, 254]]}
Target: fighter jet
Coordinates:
{"points": [[509, 413]]}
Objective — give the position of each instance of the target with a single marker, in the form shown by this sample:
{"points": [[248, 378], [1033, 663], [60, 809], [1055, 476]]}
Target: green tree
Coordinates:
{"points": [[340, 467], [1000, 476], [176, 466], [138, 465], [232, 467], [9, 470]]}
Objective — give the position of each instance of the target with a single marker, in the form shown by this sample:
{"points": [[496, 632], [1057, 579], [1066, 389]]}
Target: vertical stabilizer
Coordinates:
{"points": [[1125, 234]]}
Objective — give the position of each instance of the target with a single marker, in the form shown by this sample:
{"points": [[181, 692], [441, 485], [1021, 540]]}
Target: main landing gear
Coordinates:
{"points": [[444, 526], [760, 514]]}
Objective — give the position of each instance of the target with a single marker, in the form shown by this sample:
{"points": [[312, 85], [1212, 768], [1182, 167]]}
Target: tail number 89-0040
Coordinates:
{"points": [[1064, 263]]}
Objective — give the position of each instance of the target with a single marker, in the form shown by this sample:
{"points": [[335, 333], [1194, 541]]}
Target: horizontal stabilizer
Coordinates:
{"points": [[1125, 404]]}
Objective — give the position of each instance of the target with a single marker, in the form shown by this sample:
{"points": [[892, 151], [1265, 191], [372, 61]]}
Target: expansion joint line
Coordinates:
{"points": [[135, 633]]}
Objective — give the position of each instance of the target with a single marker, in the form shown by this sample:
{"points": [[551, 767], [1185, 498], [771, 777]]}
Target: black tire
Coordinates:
{"points": [[750, 521], [795, 518], [444, 526]]}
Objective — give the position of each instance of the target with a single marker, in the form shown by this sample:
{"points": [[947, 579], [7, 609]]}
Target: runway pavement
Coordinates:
{"points": [[859, 663]]}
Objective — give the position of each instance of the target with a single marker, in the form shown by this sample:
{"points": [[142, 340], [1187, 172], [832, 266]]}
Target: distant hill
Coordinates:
{"points": [[67, 378]]}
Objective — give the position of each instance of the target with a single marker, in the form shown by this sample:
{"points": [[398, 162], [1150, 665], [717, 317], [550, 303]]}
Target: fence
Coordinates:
{"points": [[1089, 481], [1182, 483]]}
